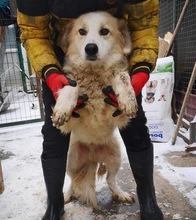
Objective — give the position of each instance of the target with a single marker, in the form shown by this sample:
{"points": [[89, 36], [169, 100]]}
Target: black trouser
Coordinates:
{"points": [[55, 144]]}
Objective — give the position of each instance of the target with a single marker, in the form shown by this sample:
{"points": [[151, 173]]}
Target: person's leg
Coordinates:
{"points": [[53, 158], [140, 155]]}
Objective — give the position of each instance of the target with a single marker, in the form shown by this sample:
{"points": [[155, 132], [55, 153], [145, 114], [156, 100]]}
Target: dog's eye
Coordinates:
{"points": [[104, 31], [82, 31]]}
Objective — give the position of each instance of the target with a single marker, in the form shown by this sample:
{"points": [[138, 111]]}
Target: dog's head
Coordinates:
{"points": [[96, 36]]}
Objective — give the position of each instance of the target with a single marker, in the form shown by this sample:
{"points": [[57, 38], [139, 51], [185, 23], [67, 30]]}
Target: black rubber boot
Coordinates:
{"points": [[54, 174], [142, 168]]}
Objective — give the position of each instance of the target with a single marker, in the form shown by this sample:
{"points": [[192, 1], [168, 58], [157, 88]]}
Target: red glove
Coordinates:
{"points": [[138, 80], [81, 102], [56, 81], [111, 99]]}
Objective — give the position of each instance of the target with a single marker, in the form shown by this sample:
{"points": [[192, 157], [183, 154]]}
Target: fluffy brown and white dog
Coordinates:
{"points": [[96, 47]]}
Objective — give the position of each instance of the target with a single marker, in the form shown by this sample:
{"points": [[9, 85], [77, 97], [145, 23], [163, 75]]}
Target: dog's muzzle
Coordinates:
{"points": [[91, 51]]}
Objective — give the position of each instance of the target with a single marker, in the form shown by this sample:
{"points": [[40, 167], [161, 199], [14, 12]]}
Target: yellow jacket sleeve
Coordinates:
{"points": [[143, 24], [35, 37]]}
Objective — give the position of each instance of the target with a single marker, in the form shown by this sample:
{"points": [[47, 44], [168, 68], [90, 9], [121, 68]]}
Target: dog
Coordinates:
{"points": [[150, 91], [96, 46], [163, 89]]}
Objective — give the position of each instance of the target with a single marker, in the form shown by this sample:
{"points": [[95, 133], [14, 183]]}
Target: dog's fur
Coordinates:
{"points": [[92, 140]]}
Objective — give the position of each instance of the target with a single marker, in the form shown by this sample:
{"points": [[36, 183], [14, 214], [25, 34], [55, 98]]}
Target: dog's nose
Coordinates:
{"points": [[91, 49]]}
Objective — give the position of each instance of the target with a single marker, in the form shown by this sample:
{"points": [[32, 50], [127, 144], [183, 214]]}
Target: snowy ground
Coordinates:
{"points": [[24, 197]]}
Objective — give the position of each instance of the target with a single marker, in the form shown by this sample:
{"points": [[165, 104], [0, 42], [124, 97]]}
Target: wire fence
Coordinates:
{"points": [[18, 89], [184, 50]]}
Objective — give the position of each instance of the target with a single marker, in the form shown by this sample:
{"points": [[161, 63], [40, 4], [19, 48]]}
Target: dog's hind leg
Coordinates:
{"points": [[113, 163], [83, 185], [82, 173]]}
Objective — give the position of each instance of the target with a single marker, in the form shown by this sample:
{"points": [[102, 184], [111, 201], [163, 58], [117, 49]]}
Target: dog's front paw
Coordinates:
{"points": [[128, 105], [60, 117], [125, 94], [65, 104]]}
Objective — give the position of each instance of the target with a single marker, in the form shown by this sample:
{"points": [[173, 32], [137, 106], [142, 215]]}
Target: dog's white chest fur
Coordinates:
{"points": [[96, 123]]}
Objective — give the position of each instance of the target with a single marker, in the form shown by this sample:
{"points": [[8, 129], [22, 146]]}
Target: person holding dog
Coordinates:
{"points": [[42, 24]]}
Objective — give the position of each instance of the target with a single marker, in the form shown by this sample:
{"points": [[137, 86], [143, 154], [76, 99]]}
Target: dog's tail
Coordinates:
{"points": [[101, 170]]}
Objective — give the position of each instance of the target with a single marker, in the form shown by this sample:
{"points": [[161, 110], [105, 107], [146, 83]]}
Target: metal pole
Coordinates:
{"points": [[39, 93], [177, 27], [184, 104], [1, 180]]}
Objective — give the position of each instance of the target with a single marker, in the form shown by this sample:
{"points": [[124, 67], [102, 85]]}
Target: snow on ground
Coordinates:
{"points": [[24, 197], [182, 178]]}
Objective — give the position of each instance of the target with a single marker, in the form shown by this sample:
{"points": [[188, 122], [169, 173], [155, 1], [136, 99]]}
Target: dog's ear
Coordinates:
{"points": [[126, 38], [66, 37]]}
